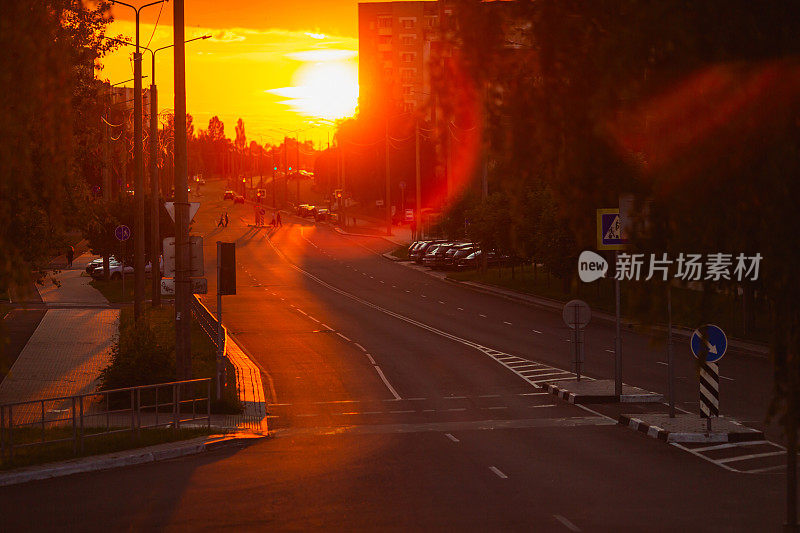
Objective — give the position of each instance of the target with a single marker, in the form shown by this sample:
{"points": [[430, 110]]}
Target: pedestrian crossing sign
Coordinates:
{"points": [[610, 235]]}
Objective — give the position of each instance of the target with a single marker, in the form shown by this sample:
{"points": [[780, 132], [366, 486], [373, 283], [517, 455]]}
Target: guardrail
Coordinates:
{"points": [[89, 415]]}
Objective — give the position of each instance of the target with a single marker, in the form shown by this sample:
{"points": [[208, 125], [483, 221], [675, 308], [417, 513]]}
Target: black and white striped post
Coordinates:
{"points": [[709, 344], [709, 392]]}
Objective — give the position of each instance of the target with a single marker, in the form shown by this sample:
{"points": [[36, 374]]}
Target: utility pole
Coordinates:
{"points": [[297, 168], [183, 313], [388, 186], [274, 167], [155, 204], [285, 169], [418, 208], [138, 233]]}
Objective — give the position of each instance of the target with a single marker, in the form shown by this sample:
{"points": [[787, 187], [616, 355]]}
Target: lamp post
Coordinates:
{"points": [[138, 234], [155, 205]]}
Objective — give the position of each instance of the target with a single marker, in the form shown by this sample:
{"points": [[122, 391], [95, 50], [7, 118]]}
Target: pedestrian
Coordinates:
{"points": [[70, 256], [273, 221], [278, 219], [226, 219], [221, 220]]}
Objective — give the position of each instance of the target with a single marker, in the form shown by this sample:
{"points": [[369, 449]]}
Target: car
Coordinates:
{"points": [[229, 195], [436, 259], [238, 199], [322, 214], [455, 253], [115, 269], [419, 252], [94, 263]]}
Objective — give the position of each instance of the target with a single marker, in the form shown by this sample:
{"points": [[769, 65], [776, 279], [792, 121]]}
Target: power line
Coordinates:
{"points": [[156, 26]]}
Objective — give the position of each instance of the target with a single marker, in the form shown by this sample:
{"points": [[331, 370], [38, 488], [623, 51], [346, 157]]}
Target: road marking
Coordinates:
{"points": [[359, 347], [746, 457], [536, 331], [546, 405], [610, 351], [371, 360], [380, 281], [300, 310], [401, 412], [455, 397], [499, 473], [569, 525], [408, 290], [661, 363], [326, 326], [729, 379], [314, 319], [509, 323], [731, 445], [451, 437], [441, 302], [457, 409], [423, 295], [481, 315], [386, 382], [489, 396], [460, 308], [344, 337], [533, 393], [498, 407]]}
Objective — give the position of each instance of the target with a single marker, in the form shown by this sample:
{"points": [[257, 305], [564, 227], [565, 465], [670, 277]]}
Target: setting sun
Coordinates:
{"points": [[327, 90]]}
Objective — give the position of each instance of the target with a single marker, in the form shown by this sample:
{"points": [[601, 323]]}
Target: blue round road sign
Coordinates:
{"points": [[122, 233], [709, 340]]}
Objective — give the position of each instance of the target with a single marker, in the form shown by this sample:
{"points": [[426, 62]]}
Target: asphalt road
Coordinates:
{"points": [[389, 409]]}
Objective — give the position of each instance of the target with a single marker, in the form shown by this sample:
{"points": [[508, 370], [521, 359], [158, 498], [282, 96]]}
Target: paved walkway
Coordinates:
{"points": [[69, 348]]}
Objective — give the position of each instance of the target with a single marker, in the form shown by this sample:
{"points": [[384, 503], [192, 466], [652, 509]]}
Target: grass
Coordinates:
{"points": [[95, 445], [689, 309], [112, 289], [401, 252]]}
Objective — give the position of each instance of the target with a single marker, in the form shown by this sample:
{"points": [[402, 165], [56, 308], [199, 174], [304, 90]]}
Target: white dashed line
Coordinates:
{"points": [[314, 319], [386, 382], [509, 323], [344, 337], [482, 316], [460, 308], [498, 472], [371, 360], [569, 525], [359, 347], [451, 437]]}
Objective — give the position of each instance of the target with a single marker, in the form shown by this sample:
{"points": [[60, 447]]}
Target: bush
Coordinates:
{"points": [[138, 358]]}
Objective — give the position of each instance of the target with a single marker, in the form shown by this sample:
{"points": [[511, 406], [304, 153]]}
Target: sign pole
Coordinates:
{"points": [[219, 328], [618, 339], [670, 358]]}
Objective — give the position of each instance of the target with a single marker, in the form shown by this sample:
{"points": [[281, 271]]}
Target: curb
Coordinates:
{"points": [[571, 397], [656, 432], [121, 459]]}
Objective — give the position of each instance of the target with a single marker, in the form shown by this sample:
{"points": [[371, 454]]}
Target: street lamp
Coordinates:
{"points": [[138, 269], [155, 244]]}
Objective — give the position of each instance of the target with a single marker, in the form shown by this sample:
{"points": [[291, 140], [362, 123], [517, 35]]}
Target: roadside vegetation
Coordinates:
{"points": [[95, 445], [144, 354]]}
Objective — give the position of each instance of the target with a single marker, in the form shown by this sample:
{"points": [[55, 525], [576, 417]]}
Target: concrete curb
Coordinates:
{"points": [[578, 398], [656, 432], [125, 458]]}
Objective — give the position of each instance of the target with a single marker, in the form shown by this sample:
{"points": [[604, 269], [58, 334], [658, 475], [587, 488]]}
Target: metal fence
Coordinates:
{"points": [[85, 416]]}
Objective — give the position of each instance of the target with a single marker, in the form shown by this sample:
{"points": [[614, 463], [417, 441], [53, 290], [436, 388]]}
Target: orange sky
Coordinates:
{"points": [[278, 65]]}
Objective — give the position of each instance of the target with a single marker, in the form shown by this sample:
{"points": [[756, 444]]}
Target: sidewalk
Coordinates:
{"points": [[70, 346], [370, 227]]}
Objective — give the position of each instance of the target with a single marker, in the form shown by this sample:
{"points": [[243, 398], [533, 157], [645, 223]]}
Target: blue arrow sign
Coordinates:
{"points": [[709, 340], [122, 233]]}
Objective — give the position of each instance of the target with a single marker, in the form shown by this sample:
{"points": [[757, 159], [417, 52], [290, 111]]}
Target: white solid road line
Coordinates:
{"points": [[359, 347], [451, 437], [386, 382], [344, 337], [536, 331], [499, 473], [371, 360], [569, 525]]}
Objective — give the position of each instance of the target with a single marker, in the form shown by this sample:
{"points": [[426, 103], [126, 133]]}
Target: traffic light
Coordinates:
{"points": [[274, 168], [338, 193]]}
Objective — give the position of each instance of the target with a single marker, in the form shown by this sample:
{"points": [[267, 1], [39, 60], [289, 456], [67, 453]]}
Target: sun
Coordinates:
{"points": [[327, 90]]}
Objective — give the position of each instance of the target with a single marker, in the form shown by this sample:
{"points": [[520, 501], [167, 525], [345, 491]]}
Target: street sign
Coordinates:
{"points": [[709, 341], [226, 268], [576, 313], [609, 230], [199, 286], [195, 259], [122, 233], [193, 207], [709, 390]]}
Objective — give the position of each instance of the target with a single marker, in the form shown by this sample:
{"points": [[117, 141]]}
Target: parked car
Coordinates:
{"points": [[115, 268], [94, 263], [435, 254], [419, 252], [322, 214], [455, 253], [229, 195], [238, 199]]}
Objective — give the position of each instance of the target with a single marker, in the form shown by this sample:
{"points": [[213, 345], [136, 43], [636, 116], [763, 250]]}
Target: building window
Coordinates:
{"points": [[384, 22], [409, 57], [408, 90], [431, 21], [408, 23], [408, 74], [408, 107], [408, 39], [384, 39]]}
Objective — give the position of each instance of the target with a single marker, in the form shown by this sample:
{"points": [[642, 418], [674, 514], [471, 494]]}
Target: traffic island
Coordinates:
{"points": [[689, 427], [599, 391]]}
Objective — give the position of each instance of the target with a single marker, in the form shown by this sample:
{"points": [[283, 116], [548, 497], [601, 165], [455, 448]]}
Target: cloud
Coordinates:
{"points": [[226, 36], [326, 54]]}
